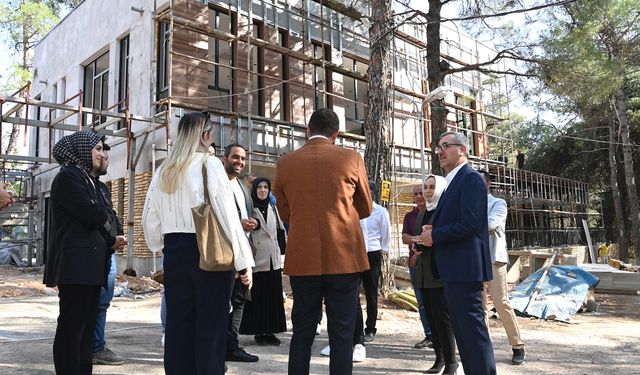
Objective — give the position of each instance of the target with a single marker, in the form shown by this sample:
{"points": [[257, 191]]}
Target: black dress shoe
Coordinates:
{"points": [[239, 355], [518, 356], [271, 339], [435, 369], [261, 340]]}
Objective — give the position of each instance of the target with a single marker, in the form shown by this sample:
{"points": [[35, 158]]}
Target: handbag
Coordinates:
{"points": [[216, 252], [282, 237]]}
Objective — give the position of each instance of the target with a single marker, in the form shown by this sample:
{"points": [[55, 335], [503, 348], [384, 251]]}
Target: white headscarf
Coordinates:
{"points": [[441, 184]]}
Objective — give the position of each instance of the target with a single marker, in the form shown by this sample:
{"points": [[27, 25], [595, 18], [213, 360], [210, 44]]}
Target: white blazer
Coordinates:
{"points": [[497, 212], [171, 213]]}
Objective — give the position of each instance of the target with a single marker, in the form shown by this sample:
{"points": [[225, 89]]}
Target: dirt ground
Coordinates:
{"points": [[607, 341]]}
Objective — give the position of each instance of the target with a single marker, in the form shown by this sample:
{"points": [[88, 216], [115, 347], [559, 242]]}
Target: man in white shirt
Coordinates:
{"points": [[233, 160], [497, 213], [377, 234]]}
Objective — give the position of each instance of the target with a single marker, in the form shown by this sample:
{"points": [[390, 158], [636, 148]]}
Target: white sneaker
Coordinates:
{"points": [[162, 340], [359, 353], [326, 351], [318, 330]]}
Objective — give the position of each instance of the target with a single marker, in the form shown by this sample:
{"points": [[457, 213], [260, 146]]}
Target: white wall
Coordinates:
{"points": [[94, 27]]}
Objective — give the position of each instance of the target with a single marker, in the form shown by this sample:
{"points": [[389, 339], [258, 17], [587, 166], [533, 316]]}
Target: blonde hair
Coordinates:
{"points": [[188, 142]]}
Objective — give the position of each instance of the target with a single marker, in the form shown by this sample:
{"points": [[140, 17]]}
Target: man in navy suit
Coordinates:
{"points": [[459, 236]]}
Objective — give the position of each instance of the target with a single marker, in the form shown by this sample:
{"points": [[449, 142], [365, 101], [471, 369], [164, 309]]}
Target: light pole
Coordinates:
{"points": [[438, 93]]}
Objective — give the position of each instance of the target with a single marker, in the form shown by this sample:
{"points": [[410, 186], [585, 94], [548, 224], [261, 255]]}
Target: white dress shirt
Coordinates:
{"points": [[376, 229], [171, 213], [449, 177]]}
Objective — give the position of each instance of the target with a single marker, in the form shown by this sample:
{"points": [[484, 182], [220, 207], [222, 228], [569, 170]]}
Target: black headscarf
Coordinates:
{"points": [[75, 149], [261, 204]]}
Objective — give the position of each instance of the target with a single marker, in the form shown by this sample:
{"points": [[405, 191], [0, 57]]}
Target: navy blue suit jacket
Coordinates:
{"points": [[460, 230]]}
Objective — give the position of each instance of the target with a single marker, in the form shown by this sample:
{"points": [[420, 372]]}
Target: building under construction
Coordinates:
{"points": [[259, 68]]}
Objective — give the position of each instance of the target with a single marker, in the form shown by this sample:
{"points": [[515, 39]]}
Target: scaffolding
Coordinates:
{"points": [[21, 171], [282, 59]]}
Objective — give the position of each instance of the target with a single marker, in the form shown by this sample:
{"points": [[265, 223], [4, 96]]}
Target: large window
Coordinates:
{"points": [[220, 69], [283, 40], [123, 81], [465, 122], [96, 88], [320, 79], [163, 59]]}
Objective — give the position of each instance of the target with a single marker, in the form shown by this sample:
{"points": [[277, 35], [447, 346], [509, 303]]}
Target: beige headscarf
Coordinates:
{"points": [[441, 183]]}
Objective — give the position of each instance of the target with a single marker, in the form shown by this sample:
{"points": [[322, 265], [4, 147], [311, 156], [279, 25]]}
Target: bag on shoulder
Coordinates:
{"points": [[216, 252]]}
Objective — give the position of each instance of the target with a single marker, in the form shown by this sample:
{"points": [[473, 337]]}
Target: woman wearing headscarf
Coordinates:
{"points": [[197, 301], [82, 242], [430, 285], [264, 314]]}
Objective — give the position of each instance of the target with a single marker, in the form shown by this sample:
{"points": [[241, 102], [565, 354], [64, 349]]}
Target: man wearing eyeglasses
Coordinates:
{"points": [[460, 238]]}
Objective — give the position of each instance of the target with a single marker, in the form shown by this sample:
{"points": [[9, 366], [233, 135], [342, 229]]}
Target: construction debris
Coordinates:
{"points": [[406, 299], [559, 296]]}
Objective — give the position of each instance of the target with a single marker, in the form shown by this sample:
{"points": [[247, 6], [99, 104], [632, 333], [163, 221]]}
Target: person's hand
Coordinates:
{"points": [[413, 258], [246, 277], [425, 238], [249, 224], [6, 197], [120, 243]]}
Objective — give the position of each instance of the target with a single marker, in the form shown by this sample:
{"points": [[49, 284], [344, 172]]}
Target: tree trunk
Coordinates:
{"points": [[629, 175], [435, 76], [615, 193], [380, 88]]}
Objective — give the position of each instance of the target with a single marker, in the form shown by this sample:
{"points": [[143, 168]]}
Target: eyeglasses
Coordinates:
{"points": [[445, 146]]}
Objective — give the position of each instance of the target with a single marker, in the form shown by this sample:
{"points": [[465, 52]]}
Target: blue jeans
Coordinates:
{"points": [[106, 295], [423, 315]]}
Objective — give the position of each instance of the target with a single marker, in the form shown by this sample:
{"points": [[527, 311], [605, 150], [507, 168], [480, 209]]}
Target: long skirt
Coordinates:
{"points": [[264, 314]]}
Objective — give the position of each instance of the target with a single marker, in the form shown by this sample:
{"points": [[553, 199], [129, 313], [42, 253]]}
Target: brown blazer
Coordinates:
{"points": [[322, 192]]}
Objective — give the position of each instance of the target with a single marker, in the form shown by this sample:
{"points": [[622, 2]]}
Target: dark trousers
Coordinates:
{"points": [[437, 313], [73, 344], [371, 283], [340, 293], [358, 333], [238, 299], [464, 301], [197, 310]]}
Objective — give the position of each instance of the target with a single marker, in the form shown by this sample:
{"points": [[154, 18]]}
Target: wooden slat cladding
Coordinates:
{"points": [[190, 76]]}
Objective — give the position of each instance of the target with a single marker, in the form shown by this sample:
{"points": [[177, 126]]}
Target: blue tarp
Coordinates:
{"points": [[561, 294]]}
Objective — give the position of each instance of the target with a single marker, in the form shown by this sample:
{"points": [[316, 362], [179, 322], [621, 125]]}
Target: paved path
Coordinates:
{"points": [[600, 344]]}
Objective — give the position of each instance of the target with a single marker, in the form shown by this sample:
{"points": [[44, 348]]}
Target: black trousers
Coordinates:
{"points": [[435, 307], [197, 310], [466, 310], [340, 293], [73, 344], [371, 284], [239, 296]]}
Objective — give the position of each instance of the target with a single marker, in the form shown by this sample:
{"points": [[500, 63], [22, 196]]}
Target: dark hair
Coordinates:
{"points": [[486, 175], [227, 150], [324, 121]]}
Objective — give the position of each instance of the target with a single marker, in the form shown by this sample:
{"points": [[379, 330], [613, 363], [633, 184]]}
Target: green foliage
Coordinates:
{"points": [[25, 23]]}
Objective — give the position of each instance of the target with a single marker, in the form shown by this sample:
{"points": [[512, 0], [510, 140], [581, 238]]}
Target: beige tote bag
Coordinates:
{"points": [[216, 252]]}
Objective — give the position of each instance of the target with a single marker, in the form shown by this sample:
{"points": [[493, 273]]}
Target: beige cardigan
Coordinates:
{"points": [[265, 241]]}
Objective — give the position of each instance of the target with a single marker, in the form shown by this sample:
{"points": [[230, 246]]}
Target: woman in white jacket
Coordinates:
{"points": [[197, 301]]}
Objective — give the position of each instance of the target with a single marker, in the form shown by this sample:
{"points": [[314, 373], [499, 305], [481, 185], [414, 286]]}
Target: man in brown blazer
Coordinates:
{"points": [[322, 192]]}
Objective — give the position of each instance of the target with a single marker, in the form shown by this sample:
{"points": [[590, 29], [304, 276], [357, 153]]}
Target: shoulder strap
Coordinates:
{"points": [[205, 181]]}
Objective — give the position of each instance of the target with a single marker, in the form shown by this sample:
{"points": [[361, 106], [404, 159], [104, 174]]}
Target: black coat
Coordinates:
{"points": [[80, 246]]}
